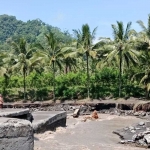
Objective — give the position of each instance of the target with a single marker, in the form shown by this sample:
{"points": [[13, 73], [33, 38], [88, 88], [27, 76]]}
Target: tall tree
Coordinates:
{"points": [[86, 47], [5, 69], [122, 49], [53, 54], [144, 46], [24, 59]]}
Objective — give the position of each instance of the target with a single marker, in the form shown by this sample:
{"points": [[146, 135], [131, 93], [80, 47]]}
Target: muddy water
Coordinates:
{"points": [[89, 135]]}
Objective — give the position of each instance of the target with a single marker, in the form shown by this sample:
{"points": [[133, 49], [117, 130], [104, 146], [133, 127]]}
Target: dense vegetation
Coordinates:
{"points": [[33, 31], [38, 61]]}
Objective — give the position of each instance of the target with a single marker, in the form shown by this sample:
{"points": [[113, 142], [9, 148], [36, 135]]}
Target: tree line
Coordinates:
{"points": [[78, 67]]}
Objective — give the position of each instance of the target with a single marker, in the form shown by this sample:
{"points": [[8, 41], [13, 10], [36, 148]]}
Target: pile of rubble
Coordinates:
{"points": [[118, 112], [138, 135], [84, 109]]}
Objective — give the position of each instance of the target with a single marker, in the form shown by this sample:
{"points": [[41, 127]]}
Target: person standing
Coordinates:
{"points": [[1, 101]]}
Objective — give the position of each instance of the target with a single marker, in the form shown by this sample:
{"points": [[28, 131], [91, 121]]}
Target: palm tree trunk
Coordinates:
{"points": [[5, 85], [120, 72], [53, 63], [24, 83], [88, 77], [66, 68]]}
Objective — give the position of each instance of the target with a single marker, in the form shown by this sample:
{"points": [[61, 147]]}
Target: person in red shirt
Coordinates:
{"points": [[1, 101]]}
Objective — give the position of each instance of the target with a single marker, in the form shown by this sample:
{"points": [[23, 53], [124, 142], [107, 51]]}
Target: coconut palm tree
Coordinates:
{"points": [[143, 45], [122, 49], [24, 59], [86, 48], [144, 41], [53, 54], [5, 69], [70, 57], [145, 29], [146, 81]]}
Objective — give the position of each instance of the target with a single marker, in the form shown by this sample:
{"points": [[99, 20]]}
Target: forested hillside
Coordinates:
{"points": [[33, 31]]}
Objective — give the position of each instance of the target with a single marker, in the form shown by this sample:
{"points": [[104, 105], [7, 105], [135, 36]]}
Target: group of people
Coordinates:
{"points": [[1, 101]]}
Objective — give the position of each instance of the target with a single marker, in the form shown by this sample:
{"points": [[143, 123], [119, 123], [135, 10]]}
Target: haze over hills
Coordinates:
{"points": [[32, 30]]}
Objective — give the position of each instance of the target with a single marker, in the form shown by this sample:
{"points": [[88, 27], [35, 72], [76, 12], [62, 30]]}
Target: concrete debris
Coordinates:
{"points": [[138, 135], [76, 113], [141, 123]]}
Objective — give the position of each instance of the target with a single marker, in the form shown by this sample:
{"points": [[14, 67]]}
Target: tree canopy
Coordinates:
{"points": [[33, 31]]}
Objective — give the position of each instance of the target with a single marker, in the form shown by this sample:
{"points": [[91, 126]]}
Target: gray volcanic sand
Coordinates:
{"points": [[89, 135]]}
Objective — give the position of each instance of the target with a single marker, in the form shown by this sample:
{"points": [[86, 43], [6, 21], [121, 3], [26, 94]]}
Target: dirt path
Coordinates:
{"points": [[89, 135]]}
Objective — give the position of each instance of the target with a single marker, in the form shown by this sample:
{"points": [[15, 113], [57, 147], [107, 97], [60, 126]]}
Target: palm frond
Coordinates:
{"points": [[93, 54], [144, 78], [115, 31], [148, 28], [142, 25], [120, 30], [126, 34], [2, 71], [94, 33]]}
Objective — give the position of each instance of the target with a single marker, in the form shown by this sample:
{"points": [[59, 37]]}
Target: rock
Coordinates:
{"points": [[141, 123], [147, 124], [72, 108], [148, 113], [83, 108], [131, 128], [134, 137], [112, 113], [143, 114], [142, 142], [133, 131], [130, 141], [93, 108], [126, 128], [122, 142], [137, 128], [147, 138], [136, 114], [147, 129], [140, 135], [129, 112]]}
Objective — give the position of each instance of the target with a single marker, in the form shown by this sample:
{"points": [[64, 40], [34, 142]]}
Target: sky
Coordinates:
{"points": [[72, 14]]}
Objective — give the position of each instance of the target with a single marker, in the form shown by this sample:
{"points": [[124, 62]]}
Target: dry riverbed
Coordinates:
{"points": [[89, 135]]}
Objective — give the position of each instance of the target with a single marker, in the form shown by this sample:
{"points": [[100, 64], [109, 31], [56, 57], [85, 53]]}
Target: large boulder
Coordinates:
{"points": [[16, 134]]}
